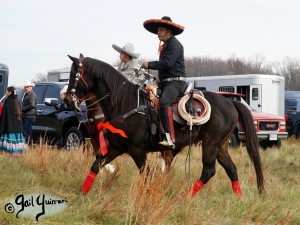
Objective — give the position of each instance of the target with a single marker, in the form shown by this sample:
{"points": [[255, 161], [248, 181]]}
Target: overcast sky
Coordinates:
{"points": [[37, 35]]}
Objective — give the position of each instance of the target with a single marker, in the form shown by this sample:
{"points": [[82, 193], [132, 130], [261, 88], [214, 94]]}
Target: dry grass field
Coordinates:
{"points": [[125, 198]]}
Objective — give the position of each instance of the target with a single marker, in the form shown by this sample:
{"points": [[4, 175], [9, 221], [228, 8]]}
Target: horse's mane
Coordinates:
{"points": [[123, 93]]}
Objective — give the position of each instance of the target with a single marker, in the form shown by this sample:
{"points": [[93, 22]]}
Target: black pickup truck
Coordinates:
{"points": [[293, 123], [292, 112], [55, 123]]}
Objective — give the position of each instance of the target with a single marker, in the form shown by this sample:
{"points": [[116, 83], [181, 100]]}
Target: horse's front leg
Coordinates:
{"points": [[166, 160], [139, 156], [98, 164]]}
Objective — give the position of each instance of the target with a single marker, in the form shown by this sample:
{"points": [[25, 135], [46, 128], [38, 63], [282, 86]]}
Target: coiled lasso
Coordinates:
{"points": [[194, 120]]}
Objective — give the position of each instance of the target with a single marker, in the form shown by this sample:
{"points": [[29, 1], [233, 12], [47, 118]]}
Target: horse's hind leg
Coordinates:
{"points": [[209, 153], [226, 162]]}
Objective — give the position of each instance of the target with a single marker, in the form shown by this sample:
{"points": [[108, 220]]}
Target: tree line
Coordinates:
{"points": [[198, 66], [289, 68]]}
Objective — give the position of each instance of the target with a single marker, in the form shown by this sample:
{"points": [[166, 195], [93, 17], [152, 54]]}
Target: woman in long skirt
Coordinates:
{"points": [[11, 140]]}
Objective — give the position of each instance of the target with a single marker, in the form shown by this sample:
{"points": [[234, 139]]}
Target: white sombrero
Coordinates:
{"points": [[29, 84], [127, 49]]}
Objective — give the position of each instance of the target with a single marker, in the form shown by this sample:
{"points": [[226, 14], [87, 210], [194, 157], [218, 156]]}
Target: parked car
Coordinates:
{"points": [[292, 112], [56, 123], [270, 128]]}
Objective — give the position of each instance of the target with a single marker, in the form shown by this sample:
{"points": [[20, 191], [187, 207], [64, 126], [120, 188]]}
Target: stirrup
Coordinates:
{"points": [[167, 142], [164, 142]]}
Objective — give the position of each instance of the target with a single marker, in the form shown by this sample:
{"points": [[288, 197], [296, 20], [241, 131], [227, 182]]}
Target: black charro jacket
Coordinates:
{"points": [[171, 60]]}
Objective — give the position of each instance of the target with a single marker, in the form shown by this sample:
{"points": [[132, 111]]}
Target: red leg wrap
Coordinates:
{"points": [[197, 186], [88, 182], [236, 188]]}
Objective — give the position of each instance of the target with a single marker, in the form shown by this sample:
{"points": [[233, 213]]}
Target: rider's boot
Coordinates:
{"points": [[166, 119]]}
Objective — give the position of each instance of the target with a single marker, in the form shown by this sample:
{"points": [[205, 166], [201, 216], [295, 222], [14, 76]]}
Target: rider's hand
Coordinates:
{"points": [[144, 65]]}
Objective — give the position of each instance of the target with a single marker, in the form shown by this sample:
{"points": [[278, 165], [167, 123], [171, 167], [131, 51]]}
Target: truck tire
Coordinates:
{"points": [[73, 139], [277, 144], [264, 144], [297, 133], [234, 141]]}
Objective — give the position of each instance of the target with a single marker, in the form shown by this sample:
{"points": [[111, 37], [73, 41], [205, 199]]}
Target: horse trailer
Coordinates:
{"points": [[264, 93], [58, 75], [4, 72]]}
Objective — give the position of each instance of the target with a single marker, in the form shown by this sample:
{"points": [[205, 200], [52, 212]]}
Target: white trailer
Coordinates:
{"points": [[264, 93], [58, 75]]}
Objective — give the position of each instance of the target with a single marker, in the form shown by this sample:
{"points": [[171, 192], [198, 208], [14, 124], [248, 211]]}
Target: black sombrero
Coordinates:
{"points": [[152, 25]]}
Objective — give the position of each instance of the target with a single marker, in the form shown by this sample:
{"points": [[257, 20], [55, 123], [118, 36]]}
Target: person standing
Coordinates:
{"points": [[11, 141], [171, 72], [128, 66], [28, 111]]}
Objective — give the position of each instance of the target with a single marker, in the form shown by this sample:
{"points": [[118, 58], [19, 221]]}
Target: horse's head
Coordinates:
{"points": [[79, 83]]}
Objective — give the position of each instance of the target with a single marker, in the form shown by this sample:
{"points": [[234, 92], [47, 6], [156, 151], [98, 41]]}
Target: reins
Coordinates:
{"points": [[88, 107]]}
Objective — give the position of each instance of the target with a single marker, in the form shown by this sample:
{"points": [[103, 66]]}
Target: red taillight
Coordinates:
{"points": [[286, 117]]}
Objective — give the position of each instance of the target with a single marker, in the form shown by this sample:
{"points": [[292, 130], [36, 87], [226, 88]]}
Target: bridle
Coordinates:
{"points": [[80, 77], [76, 99]]}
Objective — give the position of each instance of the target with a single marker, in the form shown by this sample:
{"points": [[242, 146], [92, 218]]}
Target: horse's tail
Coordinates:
{"points": [[252, 144]]}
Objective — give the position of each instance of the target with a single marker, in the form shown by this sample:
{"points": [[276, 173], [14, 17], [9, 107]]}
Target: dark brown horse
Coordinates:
{"points": [[118, 100]]}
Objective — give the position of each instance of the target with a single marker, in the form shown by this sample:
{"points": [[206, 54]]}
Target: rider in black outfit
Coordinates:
{"points": [[171, 72]]}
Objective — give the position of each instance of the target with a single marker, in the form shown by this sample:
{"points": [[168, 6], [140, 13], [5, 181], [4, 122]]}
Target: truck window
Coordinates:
{"points": [[226, 89], [1, 78], [39, 91], [255, 93], [52, 92]]}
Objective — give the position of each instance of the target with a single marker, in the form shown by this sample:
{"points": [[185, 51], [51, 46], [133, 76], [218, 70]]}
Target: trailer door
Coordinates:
{"points": [[255, 97]]}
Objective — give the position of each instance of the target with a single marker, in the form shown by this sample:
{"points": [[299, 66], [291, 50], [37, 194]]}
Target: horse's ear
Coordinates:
{"points": [[81, 58], [72, 58], [75, 60]]}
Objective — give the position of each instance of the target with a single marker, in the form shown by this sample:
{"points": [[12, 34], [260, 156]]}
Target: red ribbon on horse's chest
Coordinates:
{"points": [[112, 129]]}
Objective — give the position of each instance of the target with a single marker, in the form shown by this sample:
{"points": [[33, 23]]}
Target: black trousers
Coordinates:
{"points": [[170, 90]]}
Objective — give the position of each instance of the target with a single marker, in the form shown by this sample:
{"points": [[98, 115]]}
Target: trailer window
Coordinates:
{"points": [[201, 88], [255, 93], [226, 89]]}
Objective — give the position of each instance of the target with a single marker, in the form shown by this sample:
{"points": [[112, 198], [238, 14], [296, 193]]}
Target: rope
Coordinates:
{"points": [[197, 120], [188, 159]]}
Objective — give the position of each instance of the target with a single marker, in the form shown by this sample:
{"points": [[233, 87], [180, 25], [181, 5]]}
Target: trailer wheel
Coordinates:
{"points": [[234, 141]]}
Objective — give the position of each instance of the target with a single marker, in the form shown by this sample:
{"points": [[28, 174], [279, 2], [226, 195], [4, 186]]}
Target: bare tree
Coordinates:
{"points": [[290, 70], [40, 77], [207, 66]]}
